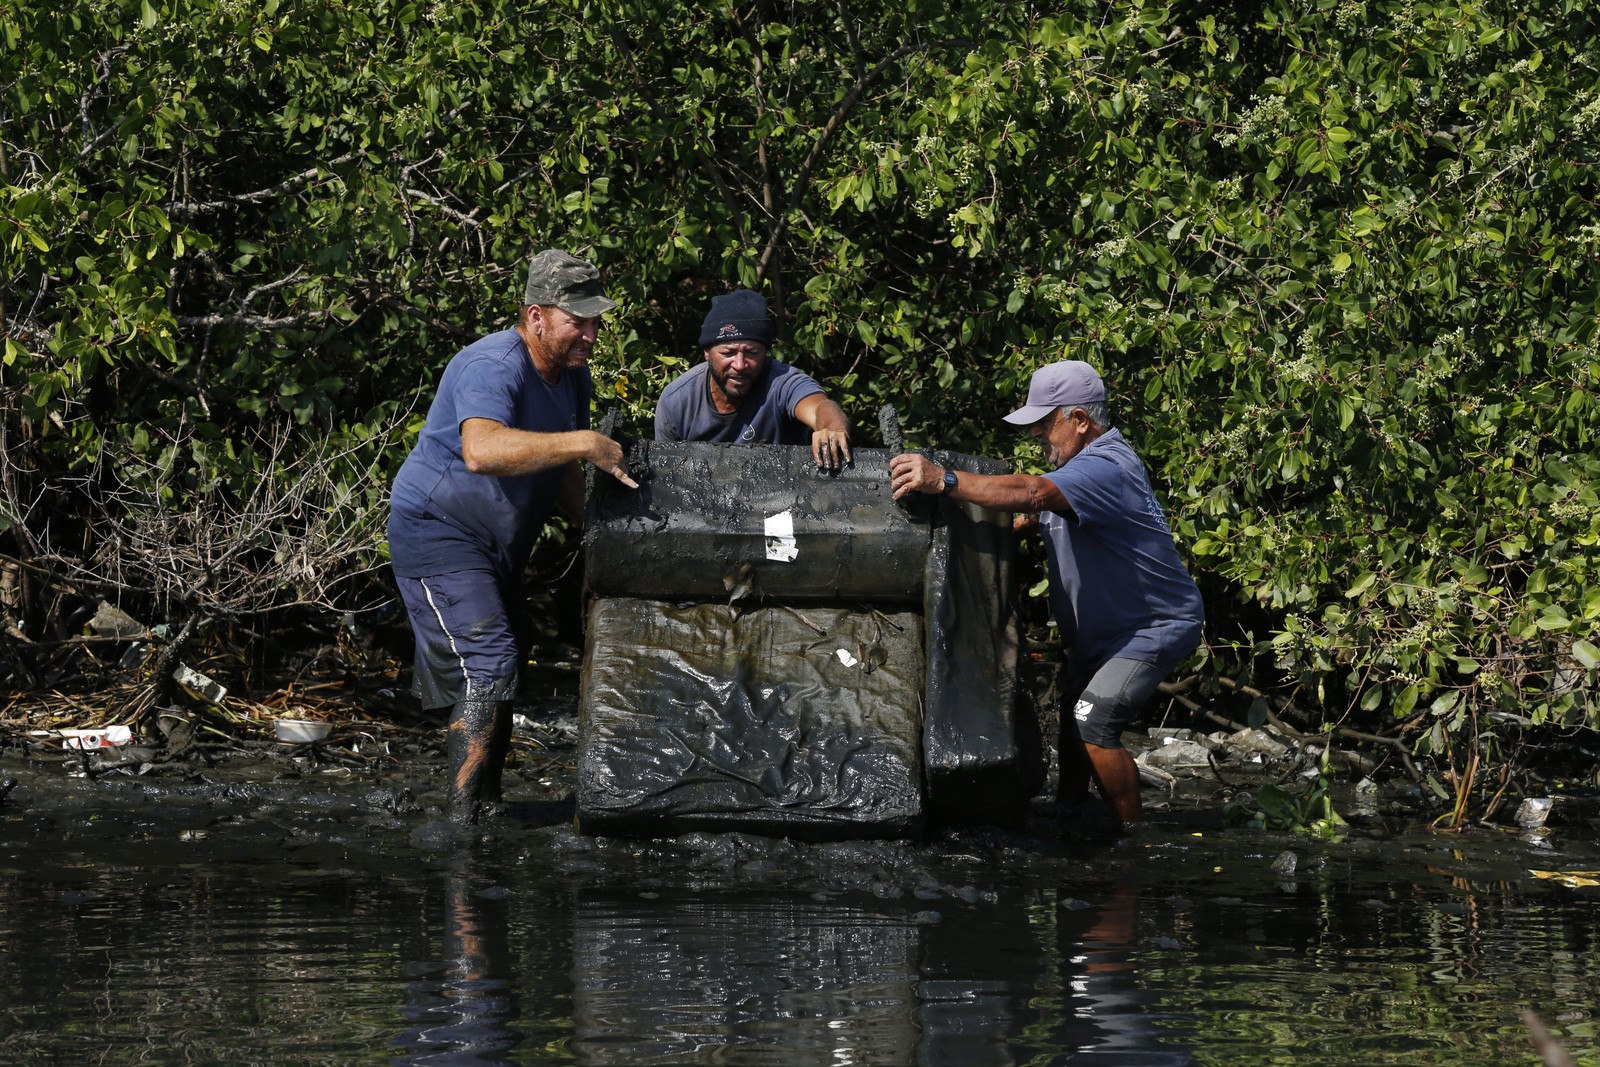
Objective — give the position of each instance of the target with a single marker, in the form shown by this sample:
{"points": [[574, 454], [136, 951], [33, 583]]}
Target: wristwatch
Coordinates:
{"points": [[949, 482]]}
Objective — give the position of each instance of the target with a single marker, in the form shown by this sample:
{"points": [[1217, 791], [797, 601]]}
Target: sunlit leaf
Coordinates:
{"points": [[1570, 879]]}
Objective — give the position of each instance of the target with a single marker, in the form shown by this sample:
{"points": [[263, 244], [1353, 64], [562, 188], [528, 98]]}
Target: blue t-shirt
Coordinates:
{"points": [[442, 517], [766, 417], [1117, 585]]}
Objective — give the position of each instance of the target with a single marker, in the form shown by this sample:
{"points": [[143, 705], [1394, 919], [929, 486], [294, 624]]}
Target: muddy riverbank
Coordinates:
{"points": [[370, 789], [370, 794]]}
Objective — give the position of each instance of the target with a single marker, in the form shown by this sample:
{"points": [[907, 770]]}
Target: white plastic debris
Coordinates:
{"points": [[1177, 755], [101, 737], [780, 537], [1534, 811]]}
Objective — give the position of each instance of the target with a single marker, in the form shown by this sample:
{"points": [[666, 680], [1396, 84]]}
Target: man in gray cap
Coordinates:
{"points": [[500, 450], [741, 396], [1127, 609]]}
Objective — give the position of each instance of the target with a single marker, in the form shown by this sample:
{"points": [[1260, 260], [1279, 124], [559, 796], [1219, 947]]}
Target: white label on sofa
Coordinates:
{"points": [[780, 538]]}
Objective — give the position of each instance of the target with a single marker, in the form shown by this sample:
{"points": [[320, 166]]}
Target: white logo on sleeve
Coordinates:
{"points": [[1081, 712]]}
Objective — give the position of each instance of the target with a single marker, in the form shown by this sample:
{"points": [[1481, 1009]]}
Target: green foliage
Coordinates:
{"points": [[1309, 811], [1337, 261]]}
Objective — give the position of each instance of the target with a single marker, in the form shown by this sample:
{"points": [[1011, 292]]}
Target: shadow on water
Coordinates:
{"points": [[249, 927]]}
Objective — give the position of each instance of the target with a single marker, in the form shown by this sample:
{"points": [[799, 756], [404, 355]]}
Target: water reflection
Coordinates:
{"points": [[758, 981], [463, 1005], [721, 979], [264, 947], [1106, 1015]]}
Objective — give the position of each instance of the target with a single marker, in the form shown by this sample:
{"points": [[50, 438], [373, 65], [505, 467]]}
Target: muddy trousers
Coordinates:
{"points": [[477, 742]]}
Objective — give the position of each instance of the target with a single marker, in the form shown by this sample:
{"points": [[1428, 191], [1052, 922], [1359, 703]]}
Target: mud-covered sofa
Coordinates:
{"points": [[777, 650]]}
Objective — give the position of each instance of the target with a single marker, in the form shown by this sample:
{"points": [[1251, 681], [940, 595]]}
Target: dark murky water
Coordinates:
{"points": [[243, 926]]}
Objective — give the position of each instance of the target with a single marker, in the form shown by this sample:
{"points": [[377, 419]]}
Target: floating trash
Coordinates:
{"points": [[1534, 811]]}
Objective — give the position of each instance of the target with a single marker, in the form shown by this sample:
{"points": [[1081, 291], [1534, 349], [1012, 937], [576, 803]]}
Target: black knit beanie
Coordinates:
{"points": [[737, 316]]}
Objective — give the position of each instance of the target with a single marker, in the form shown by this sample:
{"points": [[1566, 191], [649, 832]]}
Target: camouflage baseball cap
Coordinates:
{"points": [[567, 282]]}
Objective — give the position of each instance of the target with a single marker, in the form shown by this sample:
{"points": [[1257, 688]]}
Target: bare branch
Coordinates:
{"points": [[190, 208], [254, 322], [819, 147], [467, 219], [307, 531]]}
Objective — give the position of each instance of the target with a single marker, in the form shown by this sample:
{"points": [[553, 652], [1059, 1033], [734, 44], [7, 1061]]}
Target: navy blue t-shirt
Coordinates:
{"points": [[442, 517], [766, 417], [1117, 584]]}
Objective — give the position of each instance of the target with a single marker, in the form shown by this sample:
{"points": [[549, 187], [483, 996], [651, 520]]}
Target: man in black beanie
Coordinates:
{"points": [[740, 396]]}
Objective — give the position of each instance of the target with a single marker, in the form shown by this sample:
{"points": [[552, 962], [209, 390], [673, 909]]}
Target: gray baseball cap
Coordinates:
{"points": [[567, 282], [1059, 385]]}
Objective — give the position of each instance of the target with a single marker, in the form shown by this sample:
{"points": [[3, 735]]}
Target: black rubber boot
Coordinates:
{"points": [[1074, 771], [499, 749], [474, 761]]}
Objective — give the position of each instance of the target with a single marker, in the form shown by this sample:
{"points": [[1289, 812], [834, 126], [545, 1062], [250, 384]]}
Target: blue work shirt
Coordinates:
{"points": [[1117, 584], [442, 517], [766, 416]]}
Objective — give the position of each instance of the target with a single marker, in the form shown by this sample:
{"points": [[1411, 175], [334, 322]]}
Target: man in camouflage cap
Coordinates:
{"points": [[556, 279], [500, 451]]}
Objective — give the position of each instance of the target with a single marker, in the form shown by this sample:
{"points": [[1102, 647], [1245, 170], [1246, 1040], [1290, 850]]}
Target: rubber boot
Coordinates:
{"points": [[474, 764], [1075, 770], [499, 749]]}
